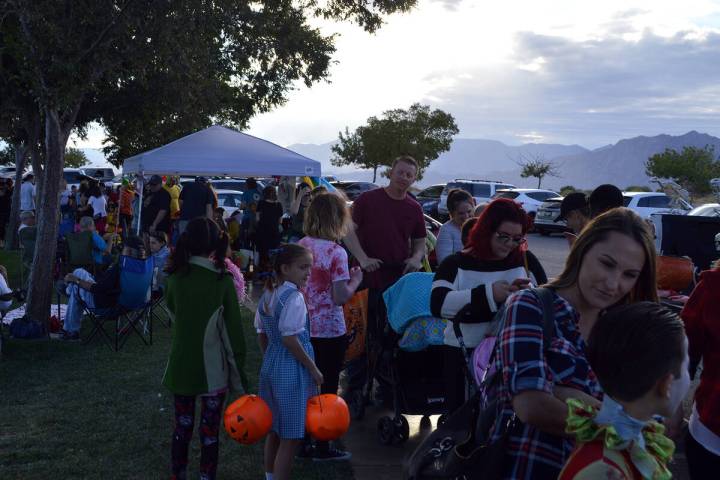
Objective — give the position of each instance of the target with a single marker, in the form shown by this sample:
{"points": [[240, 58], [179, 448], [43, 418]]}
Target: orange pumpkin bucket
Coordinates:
{"points": [[674, 273], [327, 417], [248, 419]]}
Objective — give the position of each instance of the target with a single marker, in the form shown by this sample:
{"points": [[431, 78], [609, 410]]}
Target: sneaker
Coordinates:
{"points": [[330, 455]]}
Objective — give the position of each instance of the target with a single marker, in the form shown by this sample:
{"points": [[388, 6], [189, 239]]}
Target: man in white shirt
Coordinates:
{"points": [[27, 194]]}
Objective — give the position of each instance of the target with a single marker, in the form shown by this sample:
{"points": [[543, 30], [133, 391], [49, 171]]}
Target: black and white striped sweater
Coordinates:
{"points": [[462, 279]]}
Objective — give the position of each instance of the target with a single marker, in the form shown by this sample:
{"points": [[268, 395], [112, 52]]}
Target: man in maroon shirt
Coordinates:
{"points": [[388, 240]]}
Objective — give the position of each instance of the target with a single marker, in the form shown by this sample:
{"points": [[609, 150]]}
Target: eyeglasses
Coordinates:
{"points": [[505, 238]]}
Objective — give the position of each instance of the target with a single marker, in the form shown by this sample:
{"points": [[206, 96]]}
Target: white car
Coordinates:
{"points": [[529, 198], [481, 190], [706, 210], [229, 200], [649, 203]]}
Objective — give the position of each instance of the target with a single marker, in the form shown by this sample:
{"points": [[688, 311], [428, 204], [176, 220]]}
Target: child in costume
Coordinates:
{"points": [[639, 353]]}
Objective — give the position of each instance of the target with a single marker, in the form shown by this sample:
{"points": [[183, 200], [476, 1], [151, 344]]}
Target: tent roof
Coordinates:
{"points": [[221, 151]]}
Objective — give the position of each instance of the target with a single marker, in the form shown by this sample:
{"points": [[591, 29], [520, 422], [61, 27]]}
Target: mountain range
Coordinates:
{"points": [[622, 163]]}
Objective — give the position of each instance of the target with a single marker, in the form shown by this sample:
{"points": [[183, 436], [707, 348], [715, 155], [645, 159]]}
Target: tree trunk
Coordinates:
{"points": [[41, 277], [374, 173], [21, 150], [539, 181]]}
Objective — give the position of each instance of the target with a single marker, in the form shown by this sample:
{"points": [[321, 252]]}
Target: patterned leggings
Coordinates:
{"points": [[211, 413]]}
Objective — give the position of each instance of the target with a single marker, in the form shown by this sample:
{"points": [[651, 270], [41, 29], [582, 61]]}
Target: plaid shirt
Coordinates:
{"points": [[534, 454]]}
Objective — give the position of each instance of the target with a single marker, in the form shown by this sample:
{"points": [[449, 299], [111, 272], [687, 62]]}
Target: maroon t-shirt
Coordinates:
{"points": [[385, 228]]}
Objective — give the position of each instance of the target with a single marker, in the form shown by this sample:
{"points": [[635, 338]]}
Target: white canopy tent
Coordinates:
{"points": [[221, 151]]}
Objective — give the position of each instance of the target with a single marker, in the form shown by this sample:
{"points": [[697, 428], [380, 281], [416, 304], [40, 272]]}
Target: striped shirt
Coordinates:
{"points": [[462, 280], [533, 454]]}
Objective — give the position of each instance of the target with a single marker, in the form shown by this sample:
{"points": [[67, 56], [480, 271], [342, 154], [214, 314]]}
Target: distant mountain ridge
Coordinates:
{"points": [[622, 163]]}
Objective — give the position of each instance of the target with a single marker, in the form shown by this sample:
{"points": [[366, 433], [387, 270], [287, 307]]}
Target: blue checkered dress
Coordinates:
{"points": [[285, 384]]}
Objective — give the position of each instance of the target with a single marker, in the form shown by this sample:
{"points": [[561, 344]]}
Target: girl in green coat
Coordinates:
{"points": [[208, 347]]}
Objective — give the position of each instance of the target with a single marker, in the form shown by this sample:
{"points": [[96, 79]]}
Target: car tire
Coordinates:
{"points": [[542, 232]]}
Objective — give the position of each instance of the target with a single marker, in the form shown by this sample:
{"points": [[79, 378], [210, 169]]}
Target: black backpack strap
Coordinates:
{"points": [[548, 309]]}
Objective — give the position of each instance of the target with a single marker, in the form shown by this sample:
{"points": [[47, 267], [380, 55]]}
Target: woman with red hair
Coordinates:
{"points": [[476, 281]]}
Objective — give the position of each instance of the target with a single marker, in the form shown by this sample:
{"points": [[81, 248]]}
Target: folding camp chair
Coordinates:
{"points": [[79, 252], [158, 299], [132, 312]]}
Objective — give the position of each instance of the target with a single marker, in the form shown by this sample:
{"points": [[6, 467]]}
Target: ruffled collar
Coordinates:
{"points": [[650, 459]]}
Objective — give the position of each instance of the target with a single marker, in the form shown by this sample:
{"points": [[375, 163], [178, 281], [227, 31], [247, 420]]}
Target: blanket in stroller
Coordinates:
{"points": [[408, 311]]}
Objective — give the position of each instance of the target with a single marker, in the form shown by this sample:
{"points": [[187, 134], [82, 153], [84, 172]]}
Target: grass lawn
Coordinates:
{"points": [[71, 411]]}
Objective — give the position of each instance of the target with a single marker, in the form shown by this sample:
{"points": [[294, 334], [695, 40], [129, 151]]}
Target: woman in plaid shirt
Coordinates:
{"points": [[612, 262]]}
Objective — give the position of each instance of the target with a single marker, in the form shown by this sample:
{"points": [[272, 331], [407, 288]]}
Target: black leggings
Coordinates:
{"points": [[701, 462], [329, 357], [211, 414]]}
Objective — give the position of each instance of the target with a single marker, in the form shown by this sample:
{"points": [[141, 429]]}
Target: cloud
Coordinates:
{"points": [[594, 91]]}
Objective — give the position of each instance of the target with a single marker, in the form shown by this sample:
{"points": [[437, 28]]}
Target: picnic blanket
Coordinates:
{"points": [[20, 312]]}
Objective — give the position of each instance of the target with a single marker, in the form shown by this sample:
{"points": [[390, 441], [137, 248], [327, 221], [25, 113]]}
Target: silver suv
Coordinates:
{"points": [[481, 190]]}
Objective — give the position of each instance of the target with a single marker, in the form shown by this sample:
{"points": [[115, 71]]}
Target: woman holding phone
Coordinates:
{"points": [[476, 281]]}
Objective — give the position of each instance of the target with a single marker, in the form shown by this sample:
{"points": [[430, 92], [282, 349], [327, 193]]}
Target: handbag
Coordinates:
{"points": [[460, 448]]}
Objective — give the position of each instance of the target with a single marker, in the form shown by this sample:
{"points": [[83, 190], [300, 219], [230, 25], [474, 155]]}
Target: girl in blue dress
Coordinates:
{"points": [[289, 376]]}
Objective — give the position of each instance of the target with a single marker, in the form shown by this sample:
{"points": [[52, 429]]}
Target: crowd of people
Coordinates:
{"points": [[596, 403], [595, 400]]}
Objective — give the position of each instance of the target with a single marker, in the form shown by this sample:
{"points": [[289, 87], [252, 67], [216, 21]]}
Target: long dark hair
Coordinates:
{"points": [[202, 237]]}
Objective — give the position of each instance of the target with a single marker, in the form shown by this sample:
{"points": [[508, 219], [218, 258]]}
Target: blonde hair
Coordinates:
{"points": [[620, 220], [327, 217]]}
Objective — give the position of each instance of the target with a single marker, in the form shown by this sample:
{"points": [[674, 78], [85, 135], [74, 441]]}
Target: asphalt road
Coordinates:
{"points": [[551, 251]]}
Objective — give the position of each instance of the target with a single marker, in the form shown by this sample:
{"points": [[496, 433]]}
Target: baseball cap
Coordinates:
{"points": [[572, 201], [604, 198], [155, 180]]}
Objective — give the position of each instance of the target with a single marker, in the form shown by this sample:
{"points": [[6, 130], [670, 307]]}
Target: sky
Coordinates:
{"points": [[519, 71]]}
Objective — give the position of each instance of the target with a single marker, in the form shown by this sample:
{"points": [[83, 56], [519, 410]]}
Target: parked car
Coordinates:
{"points": [[102, 174], [530, 198], [648, 203], [354, 189], [229, 200], [706, 210], [545, 216], [481, 190], [433, 226], [429, 199]]}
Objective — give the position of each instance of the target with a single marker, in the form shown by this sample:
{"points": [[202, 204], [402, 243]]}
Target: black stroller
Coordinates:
{"points": [[414, 383]]}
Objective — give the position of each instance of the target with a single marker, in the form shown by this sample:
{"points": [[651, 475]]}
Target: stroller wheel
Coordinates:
{"points": [[442, 419], [385, 430], [425, 423], [402, 429]]}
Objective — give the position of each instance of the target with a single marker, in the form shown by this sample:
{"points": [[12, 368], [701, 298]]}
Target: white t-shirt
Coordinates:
{"points": [[27, 196], [294, 313], [4, 305], [98, 205]]}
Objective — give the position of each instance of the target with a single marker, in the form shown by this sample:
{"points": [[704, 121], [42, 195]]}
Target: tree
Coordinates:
{"points": [[692, 169], [418, 132], [567, 189], [638, 188], [148, 71], [536, 166], [75, 158]]}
